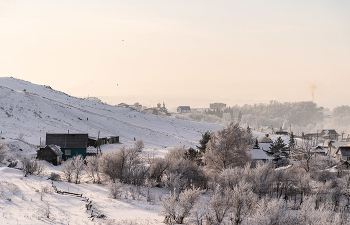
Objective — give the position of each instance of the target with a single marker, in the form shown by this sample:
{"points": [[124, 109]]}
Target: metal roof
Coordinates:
{"points": [[67, 140], [344, 150]]}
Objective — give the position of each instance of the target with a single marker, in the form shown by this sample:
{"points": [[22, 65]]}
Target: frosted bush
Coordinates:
{"points": [[115, 189]]}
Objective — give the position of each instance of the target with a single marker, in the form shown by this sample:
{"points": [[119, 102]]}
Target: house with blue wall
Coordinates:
{"points": [[71, 144]]}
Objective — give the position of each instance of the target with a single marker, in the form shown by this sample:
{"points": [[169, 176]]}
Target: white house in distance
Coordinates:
{"points": [[93, 99], [183, 109]]}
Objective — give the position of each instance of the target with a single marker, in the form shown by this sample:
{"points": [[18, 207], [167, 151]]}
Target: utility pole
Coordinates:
{"points": [[98, 147]]}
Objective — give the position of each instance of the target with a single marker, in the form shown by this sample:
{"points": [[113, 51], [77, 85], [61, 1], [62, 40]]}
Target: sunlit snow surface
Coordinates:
{"points": [[39, 109]]}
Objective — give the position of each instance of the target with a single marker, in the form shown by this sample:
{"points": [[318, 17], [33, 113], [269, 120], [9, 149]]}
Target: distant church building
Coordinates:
{"points": [[157, 110]]}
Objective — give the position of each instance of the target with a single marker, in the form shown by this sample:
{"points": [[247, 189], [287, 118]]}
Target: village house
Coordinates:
{"points": [[329, 134], [71, 144], [260, 155], [343, 153], [183, 109], [281, 132], [50, 153], [318, 150]]}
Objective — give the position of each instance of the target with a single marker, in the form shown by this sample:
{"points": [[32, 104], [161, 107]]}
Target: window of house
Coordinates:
{"points": [[67, 152]]}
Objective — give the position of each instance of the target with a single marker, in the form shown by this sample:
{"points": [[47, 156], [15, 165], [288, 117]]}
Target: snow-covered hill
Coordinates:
{"points": [[28, 111]]}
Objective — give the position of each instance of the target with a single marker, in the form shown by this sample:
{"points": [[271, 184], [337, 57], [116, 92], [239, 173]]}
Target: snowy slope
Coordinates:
{"points": [[32, 110], [32, 200]]}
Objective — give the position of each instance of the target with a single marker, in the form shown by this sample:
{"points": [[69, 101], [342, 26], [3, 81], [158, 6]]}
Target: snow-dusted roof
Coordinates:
{"points": [[91, 149], [318, 149], [56, 150], [259, 154], [264, 140]]}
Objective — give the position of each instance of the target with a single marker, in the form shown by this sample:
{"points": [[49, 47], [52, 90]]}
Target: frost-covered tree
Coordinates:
{"points": [[244, 202], [124, 164], [114, 189], [176, 153], [176, 208], [112, 164], [139, 145], [272, 211], [228, 148], [134, 169], [78, 164], [220, 204], [31, 166], [184, 174], [93, 168], [3, 151], [157, 169], [68, 169], [232, 204], [305, 155]]}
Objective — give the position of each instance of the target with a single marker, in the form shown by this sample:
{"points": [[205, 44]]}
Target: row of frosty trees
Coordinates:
{"points": [[224, 186], [218, 183]]}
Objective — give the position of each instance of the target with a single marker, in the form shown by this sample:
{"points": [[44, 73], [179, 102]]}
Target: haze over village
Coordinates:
{"points": [[174, 112]]}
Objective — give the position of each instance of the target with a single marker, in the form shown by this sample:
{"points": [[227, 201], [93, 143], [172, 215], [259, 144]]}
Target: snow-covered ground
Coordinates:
{"points": [[29, 111], [32, 200]]}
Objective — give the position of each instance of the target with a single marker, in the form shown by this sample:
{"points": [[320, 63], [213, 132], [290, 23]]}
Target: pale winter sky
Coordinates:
{"points": [[183, 52]]}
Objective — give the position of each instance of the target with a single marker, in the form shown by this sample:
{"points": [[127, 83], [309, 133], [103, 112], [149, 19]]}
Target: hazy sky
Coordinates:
{"points": [[183, 52]]}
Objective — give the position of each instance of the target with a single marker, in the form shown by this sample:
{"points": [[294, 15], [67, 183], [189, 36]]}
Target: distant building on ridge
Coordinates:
{"points": [[217, 105], [183, 109]]}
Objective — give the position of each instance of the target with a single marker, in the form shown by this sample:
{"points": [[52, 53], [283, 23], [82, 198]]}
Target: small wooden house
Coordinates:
{"points": [[50, 153], [92, 141], [343, 153], [114, 139], [318, 150], [71, 144]]}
